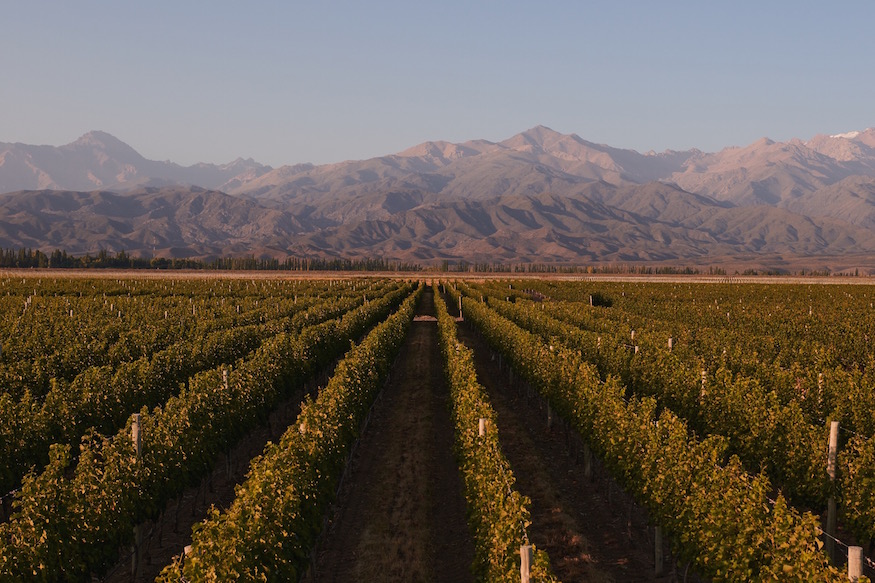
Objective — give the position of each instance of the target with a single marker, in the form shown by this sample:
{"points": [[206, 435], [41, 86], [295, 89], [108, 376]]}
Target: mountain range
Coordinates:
{"points": [[539, 196]]}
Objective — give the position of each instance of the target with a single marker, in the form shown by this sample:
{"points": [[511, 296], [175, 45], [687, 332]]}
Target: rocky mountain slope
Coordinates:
{"points": [[538, 196]]}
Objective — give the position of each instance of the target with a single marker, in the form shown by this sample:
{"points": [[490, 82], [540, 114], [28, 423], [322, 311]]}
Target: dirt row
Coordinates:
{"points": [[400, 516], [401, 513], [589, 527]]}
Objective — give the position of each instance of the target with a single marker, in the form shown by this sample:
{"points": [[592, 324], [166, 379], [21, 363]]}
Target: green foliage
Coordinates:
{"points": [[498, 514], [777, 369], [68, 522], [267, 533], [716, 514], [102, 396]]}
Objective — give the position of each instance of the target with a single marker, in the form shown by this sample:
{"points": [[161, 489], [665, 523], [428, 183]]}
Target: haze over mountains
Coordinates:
{"points": [[539, 196], [98, 160]]}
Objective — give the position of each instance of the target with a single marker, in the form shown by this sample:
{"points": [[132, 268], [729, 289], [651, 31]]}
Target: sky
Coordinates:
{"points": [[289, 82]]}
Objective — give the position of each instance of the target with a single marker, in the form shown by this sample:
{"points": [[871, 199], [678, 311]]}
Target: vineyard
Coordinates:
{"points": [[373, 429]]}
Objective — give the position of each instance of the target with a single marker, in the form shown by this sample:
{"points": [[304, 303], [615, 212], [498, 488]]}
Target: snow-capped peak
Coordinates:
{"points": [[847, 135]]}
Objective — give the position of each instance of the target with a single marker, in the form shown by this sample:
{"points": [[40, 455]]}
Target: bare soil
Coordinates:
{"points": [[400, 515], [590, 528]]}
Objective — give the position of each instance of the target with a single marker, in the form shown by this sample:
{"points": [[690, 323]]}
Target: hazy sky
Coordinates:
{"points": [[286, 82]]}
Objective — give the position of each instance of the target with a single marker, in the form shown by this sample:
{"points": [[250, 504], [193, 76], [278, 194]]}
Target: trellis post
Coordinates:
{"points": [[657, 551], [831, 502], [855, 563], [587, 461], [136, 436], [526, 559]]}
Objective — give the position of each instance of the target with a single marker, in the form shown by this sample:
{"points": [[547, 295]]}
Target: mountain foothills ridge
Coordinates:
{"points": [[98, 160], [539, 196]]}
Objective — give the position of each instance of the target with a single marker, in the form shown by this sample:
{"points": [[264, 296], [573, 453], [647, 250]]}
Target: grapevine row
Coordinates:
{"points": [[268, 531], [102, 397], [716, 514], [762, 431], [766, 431], [807, 344], [69, 522], [55, 337], [498, 513]]}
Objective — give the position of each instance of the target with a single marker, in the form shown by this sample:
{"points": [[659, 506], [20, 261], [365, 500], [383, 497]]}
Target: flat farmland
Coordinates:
{"points": [[275, 426]]}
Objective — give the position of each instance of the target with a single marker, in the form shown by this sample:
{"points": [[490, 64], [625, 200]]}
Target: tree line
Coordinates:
{"points": [[59, 259]]}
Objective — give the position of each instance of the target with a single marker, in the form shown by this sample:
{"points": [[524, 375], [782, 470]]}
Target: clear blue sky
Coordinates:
{"points": [[288, 82]]}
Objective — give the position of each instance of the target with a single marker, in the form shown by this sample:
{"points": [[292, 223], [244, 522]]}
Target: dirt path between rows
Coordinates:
{"points": [[590, 529], [400, 515]]}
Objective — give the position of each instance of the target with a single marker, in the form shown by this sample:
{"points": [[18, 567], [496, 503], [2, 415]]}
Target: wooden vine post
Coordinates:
{"points": [[704, 382], [831, 503], [135, 555], [587, 461], [820, 388], [137, 439], [657, 551], [526, 559], [482, 427], [855, 563], [136, 436]]}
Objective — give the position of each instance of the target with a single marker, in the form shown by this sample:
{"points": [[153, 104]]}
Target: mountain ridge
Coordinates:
{"points": [[539, 196], [98, 160]]}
